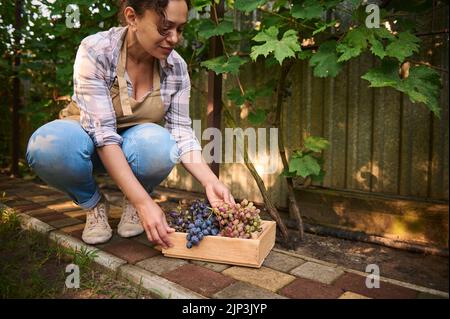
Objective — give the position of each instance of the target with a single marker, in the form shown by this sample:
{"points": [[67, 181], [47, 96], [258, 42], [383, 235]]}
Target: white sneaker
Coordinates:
{"points": [[130, 224], [97, 229]]}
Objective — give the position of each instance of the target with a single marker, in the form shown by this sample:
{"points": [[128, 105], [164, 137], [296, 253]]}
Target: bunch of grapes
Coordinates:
{"points": [[198, 221], [238, 221]]}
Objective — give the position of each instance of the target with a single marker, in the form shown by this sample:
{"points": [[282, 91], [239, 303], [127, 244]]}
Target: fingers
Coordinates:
{"points": [[168, 228], [149, 234], [163, 235], [156, 238], [231, 199], [227, 197]]}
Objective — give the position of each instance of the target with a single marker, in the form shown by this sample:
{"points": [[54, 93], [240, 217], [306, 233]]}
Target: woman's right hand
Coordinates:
{"points": [[154, 222]]}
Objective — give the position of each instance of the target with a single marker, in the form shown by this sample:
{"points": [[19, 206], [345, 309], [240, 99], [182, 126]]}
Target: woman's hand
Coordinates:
{"points": [[154, 222], [218, 193]]}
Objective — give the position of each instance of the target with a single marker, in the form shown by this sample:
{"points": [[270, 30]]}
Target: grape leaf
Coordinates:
{"points": [[235, 96], [377, 47], [258, 117], [325, 60], [222, 65], [282, 49], [316, 143], [403, 46], [208, 29], [422, 85], [307, 10], [248, 5], [304, 166], [354, 43]]}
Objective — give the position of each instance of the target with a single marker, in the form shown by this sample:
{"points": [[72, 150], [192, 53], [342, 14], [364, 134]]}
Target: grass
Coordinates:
{"points": [[33, 267]]}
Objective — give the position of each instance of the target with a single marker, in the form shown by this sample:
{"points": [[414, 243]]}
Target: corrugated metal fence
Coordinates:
{"points": [[380, 142]]}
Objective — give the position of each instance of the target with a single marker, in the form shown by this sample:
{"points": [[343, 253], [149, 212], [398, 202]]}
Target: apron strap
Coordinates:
{"points": [[123, 88]]}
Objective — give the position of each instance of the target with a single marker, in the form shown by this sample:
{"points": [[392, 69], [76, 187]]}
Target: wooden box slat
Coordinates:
{"points": [[225, 250]]}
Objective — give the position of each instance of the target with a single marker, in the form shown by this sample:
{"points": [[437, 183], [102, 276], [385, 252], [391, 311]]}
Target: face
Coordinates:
{"points": [[146, 28]]}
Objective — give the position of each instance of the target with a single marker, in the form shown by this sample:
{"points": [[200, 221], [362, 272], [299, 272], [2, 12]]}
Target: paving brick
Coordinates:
{"points": [[60, 223], [317, 272], [352, 295], [213, 266], [201, 280], [41, 212], [356, 283], [115, 212], [50, 217], [17, 202], [243, 290], [73, 228], [161, 264], [28, 208], [44, 199], [282, 262], [130, 250], [302, 288], [142, 238], [263, 277], [78, 214], [62, 207]]}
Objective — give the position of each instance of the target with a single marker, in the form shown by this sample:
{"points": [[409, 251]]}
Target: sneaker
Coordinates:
{"points": [[97, 229], [130, 224]]}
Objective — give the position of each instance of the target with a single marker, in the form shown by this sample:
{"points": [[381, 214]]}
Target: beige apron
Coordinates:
{"points": [[129, 112]]}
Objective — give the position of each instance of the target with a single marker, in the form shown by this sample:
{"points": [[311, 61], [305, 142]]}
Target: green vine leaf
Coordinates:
{"points": [[403, 46], [223, 65], [422, 85], [304, 166], [316, 143], [208, 29], [248, 5], [257, 117], [282, 49], [325, 60], [307, 10]]}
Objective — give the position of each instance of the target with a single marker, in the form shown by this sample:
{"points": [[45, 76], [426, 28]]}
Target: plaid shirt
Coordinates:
{"points": [[94, 74]]}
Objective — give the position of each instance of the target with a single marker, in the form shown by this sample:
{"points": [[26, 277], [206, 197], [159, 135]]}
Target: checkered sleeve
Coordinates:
{"points": [[177, 118], [91, 93]]}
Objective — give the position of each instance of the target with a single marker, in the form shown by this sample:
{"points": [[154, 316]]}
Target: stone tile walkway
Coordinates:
{"points": [[283, 274]]}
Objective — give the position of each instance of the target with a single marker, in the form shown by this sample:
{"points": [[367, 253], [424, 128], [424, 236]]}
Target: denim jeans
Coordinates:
{"points": [[64, 156]]}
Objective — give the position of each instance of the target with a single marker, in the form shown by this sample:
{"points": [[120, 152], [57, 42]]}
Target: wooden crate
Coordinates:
{"points": [[233, 251]]}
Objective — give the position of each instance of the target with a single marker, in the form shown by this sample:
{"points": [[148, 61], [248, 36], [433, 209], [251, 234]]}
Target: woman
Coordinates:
{"points": [[126, 80]]}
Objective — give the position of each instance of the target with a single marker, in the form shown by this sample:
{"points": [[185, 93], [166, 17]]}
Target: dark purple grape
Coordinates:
{"points": [[195, 240]]}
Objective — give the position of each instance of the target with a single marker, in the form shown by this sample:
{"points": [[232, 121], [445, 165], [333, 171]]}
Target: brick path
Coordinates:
{"points": [[283, 274]]}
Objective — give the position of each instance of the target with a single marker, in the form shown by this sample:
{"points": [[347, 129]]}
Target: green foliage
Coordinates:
{"points": [[422, 85], [403, 46], [248, 5], [308, 162], [282, 49], [276, 35], [325, 61], [208, 29], [307, 10], [224, 65]]}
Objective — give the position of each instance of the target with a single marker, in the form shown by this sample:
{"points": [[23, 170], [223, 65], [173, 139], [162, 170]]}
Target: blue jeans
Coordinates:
{"points": [[64, 156]]}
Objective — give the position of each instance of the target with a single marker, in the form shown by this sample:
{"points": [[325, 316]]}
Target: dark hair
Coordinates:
{"points": [[139, 6]]}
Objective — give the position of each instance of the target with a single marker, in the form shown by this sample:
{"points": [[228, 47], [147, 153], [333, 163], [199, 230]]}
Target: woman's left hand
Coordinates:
{"points": [[218, 193]]}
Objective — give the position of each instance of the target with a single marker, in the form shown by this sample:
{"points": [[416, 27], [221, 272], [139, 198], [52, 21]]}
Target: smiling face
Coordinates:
{"points": [[145, 28]]}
